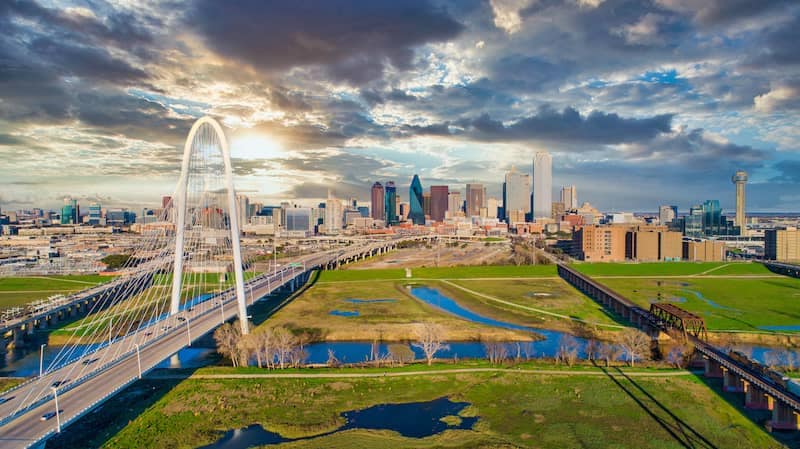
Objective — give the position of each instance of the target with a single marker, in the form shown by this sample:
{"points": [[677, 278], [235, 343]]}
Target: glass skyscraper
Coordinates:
{"points": [[416, 214], [390, 203]]}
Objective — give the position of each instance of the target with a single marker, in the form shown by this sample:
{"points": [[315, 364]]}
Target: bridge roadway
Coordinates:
{"points": [[21, 425]]}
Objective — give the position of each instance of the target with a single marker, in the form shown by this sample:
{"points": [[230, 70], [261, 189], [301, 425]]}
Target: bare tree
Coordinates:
{"points": [[332, 362], [609, 352], [568, 349], [227, 338], [527, 350], [430, 336], [285, 343], [401, 353], [635, 343], [496, 352], [592, 349], [772, 359], [679, 355]]}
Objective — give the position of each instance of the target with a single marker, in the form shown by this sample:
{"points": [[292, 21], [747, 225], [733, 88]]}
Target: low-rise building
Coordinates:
{"points": [[782, 245], [702, 250], [594, 243], [653, 244]]}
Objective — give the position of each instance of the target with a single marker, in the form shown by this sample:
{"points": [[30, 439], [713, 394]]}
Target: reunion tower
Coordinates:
{"points": [[740, 179]]}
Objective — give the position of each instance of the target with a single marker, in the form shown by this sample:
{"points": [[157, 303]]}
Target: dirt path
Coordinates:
{"points": [[420, 373]]}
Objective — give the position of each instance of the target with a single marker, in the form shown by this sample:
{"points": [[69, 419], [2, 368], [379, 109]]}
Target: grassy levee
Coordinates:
{"points": [[514, 409], [671, 269], [20, 291]]}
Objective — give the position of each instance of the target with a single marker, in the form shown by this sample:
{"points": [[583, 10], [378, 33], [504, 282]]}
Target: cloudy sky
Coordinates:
{"points": [[641, 103]]}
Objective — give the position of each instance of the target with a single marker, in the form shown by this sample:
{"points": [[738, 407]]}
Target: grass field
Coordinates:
{"points": [[550, 295], [735, 303], [672, 269], [512, 299], [489, 271], [513, 410], [390, 320], [9, 382], [19, 291]]}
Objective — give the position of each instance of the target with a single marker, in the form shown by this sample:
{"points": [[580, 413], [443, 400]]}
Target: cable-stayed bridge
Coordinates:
{"points": [[185, 279]]}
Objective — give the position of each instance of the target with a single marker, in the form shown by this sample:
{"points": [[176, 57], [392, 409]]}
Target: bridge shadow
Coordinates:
{"points": [[790, 439], [683, 433]]}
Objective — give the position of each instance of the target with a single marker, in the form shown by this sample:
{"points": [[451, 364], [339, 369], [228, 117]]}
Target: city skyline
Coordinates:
{"points": [[658, 104]]}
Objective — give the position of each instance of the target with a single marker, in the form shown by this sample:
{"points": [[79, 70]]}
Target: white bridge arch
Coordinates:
{"points": [[202, 126]]}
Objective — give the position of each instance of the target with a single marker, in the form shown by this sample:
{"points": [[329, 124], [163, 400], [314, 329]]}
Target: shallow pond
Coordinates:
{"points": [[412, 419]]}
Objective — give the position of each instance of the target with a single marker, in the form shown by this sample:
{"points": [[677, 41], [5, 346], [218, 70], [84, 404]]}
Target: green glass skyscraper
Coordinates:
{"points": [[416, 213]]}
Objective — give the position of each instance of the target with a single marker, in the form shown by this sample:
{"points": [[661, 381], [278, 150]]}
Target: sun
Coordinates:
{"points": [[256, 146]]}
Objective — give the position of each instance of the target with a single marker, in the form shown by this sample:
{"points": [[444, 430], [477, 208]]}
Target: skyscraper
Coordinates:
{"points": [[439, 196], [516, 192], [243, 209], [416, 214], [667, 213], [333, 214], [378, 202], [569, 197], [740, 179], [390, 203], [476, 199], [454, 203], [542, 185]]}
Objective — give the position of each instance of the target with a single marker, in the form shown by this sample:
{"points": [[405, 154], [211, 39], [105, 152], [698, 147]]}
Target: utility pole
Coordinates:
{"points": [[138, 359], [58, 414]]}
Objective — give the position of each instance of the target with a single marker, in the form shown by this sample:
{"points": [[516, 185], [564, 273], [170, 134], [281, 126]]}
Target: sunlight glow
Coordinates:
{"points": [[256, 146]]}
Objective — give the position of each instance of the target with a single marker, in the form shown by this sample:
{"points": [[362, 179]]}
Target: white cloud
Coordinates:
{"points": [[778, 98], [506, 14]]}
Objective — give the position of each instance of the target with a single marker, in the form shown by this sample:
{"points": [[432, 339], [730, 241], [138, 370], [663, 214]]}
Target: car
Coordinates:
{"points": [[49, 415], [58, 383], [165, 328], [4, 400], [89, 361], [148, 334], [180, 318]]}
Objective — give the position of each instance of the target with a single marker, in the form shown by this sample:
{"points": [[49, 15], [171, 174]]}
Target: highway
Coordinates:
{"points": [[114, 366]]}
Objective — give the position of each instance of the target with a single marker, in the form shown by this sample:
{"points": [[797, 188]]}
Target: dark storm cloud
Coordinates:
{"points": [[6, 139], [714, 12], [344, 165], [789, 172], [693, 149], [569, 126], [353, 39]]}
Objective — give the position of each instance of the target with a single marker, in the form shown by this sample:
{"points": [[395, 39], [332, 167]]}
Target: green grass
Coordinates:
{"points": [[514, 410], [670, 268], [9, 382], [551, 295], [392, 321], [19, 291], [468, 272], [741, 304]]}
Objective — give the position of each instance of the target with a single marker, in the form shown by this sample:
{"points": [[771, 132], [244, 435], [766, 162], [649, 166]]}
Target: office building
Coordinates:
{"points": [[390, 203], [703, 250], [516, 193], [666, 214], [476, 199], [378, 202], [298, 220], [740, 179], [439, 199], [569, 197], [415, 199], [557, 210], [492, 208], [243, 209], [594, 243], [653, 244], [454, 204], [96, 214], [334, 212], [70, 212], [542, 185], [782, 245], [426, 204]]}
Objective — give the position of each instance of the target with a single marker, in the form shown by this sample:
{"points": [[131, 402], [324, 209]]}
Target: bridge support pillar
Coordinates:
{"points": [[756, 399], [16, 336], [731, 382], [783, 418], [712, 369]]}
